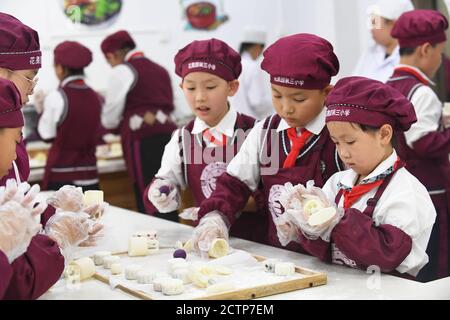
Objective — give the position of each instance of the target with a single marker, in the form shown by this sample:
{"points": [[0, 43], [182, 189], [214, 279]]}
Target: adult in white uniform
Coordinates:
{"points": [[379, 60], [254, 97]]}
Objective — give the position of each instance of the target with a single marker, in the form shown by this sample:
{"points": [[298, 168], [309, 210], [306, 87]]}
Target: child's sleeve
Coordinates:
{"points": [[36, 270], [5, 274], [423, 136], [396, 237], [234, 187]]}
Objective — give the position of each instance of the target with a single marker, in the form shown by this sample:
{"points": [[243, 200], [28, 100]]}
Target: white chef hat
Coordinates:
{"points": [[390, 9], [254, 35]]}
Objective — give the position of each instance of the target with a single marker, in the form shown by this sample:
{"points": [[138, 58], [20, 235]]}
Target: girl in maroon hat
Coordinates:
{"points": [[426, 145], [292, 145], [199, 152], [71, 158], [384, 215]]}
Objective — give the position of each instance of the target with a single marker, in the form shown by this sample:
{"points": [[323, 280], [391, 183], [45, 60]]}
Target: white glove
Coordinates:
{"points": [[18, 225], [70, 229], [286, 230], [67, 198], [212, 226], [304, 205], [164, 196], [23, 194], [190, 213]]}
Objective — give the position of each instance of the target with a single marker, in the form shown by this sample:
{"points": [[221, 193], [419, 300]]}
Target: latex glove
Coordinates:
{"points": [[286, 230], [301, 203], [68, 198], [94, 236], [18, 225], [69, 229], [96, 211], [164, 196], [24, 194], [190, 213], [212, 226]]}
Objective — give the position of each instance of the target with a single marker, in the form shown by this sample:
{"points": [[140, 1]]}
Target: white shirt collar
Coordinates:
{"points": [[315, 126], [71, 78], [225, 126], [418, 71], [130, 53], [349, 176]]}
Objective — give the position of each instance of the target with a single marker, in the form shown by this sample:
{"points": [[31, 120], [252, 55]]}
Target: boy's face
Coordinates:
{"points": [[434, 59], [9, 138], [114, 58], [360, 150], [207, 95], [298, 107]]}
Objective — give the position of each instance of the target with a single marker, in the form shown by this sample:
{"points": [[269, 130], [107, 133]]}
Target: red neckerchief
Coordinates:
{"points": [[297, 143], [208, 136], [351, 196]]}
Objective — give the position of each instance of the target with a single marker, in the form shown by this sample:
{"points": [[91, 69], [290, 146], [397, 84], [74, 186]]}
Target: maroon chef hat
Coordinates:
{"points": [[72, 55], [369, 102], [213, 56], [116, 41], [10, 105], [302, 60], [19, 45], [416, 27]]}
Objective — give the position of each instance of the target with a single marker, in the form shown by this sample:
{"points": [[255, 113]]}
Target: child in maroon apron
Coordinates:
{"points": [[384, 217], [139, 104], [291, 146], [203, 148], [71, 158], [426, 146]]}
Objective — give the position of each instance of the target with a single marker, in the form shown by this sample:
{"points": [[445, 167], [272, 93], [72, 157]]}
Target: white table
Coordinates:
{"points": [[343, 282]]}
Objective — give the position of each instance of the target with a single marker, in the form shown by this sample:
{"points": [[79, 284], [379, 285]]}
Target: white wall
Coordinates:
{"points": [[159, 31]]}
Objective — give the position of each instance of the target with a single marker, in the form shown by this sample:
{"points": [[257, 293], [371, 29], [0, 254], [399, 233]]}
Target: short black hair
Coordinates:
{"points": [[372, 129], [247, 45], [409, 51], [74, 72]]}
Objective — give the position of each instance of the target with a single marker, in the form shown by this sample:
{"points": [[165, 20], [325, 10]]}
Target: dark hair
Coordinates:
{"points": [[410, 51], [372, 129], [74, 72], [247, 45]]}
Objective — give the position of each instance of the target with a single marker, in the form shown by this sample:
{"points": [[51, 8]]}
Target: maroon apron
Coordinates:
{"points": [[317, 161], [72, 155], [201, 177], [340, 258], [150, 92], [434, 174]]}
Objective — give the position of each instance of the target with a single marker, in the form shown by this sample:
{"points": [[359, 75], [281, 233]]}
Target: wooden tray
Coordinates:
{"points": [[311, 279]]}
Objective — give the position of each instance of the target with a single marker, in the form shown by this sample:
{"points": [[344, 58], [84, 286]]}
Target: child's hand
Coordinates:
{"points": [[164, 196], [68, 198]]}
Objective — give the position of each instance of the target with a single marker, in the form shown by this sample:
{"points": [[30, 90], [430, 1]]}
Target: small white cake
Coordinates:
{"points": [[109, 260], [157, 282], [137, 246], [99, 255], [131, 271], [171, 287], [116, 268], [284, 268], [269, 264], [182, 274], [145, 277]]}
